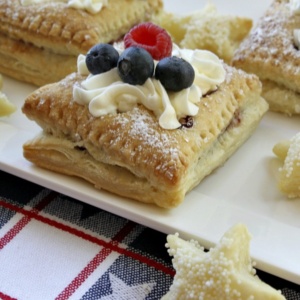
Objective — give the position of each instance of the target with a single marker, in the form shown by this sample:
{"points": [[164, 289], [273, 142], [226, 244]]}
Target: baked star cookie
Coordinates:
{"points": [[289, 178], [40, 40], [144, 130], [208, 29], [272, 52], [225, 272]]}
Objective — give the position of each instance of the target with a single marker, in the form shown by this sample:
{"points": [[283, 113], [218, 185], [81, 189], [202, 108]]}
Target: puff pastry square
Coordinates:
{"points": [[271, 53], [128, 153], [40, 43]]}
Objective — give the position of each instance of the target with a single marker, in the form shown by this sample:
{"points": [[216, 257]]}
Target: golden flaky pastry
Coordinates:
{"points": [[289, 153], [128, 153], [6, 107], [272, 53], [225, 272], [207, 29], [39, 43]]}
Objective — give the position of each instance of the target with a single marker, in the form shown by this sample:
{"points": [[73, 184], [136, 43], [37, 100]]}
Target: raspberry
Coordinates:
{"points": [[152, 38]]}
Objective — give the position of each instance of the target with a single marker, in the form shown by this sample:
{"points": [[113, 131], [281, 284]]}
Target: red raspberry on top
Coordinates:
{"points": [[152, 38]]}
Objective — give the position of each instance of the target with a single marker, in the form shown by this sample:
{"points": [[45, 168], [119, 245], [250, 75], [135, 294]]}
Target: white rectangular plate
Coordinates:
{"points": [[243, 190]]}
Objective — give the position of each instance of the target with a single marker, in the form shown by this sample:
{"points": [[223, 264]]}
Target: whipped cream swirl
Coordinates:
{"points": [[92, 6], [209, 70], [106, 93], [296, 36]]}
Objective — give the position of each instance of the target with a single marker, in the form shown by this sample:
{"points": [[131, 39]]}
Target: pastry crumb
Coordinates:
{"points": [[6, 107], [289, 173]]}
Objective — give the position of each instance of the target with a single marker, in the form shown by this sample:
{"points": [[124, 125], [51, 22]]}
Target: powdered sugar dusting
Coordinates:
{"points": [[142, 129], [144, 134]]}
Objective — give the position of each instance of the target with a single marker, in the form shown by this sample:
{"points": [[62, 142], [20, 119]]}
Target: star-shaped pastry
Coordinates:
{"points": [[225, 272]]}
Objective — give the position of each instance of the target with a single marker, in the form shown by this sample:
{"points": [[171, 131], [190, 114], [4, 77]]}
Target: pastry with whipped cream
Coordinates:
{"points": [[272, 52], [6, 106], [144, 140], [288, 152], [41, 39], [225, 272]]}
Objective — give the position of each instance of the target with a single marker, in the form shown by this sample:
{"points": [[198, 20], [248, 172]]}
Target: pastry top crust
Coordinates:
{"points": [[269, 51], [67, 30], [134, 140]]}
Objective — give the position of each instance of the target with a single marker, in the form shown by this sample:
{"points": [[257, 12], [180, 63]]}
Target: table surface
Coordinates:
{"points": [[55, 247]]}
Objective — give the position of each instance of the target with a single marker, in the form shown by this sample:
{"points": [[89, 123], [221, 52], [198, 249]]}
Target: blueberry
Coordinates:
{"points": [[101, 58], [174, 73], [135, 65]]}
